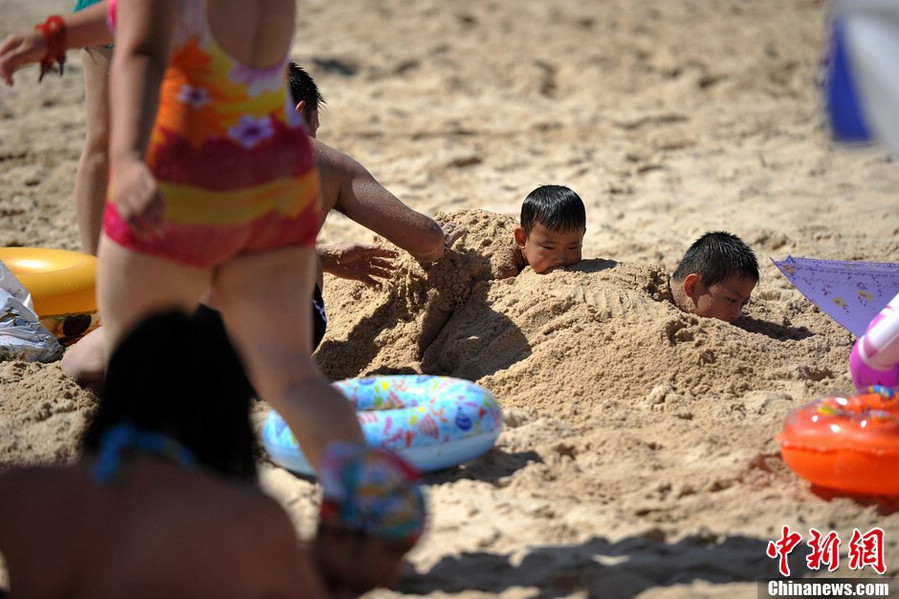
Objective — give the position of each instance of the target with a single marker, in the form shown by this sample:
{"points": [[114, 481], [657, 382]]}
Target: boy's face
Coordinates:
{"points": [[724, 300], [545, 248]]}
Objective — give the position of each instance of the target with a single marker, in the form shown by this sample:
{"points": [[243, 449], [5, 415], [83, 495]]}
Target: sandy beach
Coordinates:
{"points": [[638, 457]]}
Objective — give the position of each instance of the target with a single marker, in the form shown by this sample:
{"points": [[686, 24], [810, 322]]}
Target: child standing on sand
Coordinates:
{"points": [[716, 276]]}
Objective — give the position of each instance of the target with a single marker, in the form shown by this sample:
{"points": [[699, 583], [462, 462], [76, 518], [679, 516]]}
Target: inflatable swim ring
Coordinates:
{"points": [[62, 287], [846, 443], [434, 422]]}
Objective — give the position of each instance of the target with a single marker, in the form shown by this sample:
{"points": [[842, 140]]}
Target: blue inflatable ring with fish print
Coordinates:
{"points": [[434, 422]]}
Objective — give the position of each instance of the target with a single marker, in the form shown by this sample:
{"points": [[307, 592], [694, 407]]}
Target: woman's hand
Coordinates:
{"points": [[20, 49], [137, 199]]}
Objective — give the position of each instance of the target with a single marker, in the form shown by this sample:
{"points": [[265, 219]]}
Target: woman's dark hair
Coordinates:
{"points": [[167, 376]]}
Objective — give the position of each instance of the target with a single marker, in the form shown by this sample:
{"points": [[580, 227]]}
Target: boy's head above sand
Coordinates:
{"points": [[551, 232], [716, 276]]}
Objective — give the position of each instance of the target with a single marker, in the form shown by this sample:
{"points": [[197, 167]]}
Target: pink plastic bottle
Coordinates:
{"points": [[875, 356]]}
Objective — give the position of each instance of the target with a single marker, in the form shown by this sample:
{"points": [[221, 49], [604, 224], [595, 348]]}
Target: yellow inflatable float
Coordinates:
{"points": [[62, 287]]}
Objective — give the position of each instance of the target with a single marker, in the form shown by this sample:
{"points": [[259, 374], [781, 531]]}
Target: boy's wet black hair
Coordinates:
{"points": [[166, 376], [556, 207], [304, 89], [716, 257]]}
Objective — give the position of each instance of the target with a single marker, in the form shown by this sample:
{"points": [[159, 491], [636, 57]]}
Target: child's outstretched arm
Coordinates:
{"points": [[364, 200], [84, 28]]}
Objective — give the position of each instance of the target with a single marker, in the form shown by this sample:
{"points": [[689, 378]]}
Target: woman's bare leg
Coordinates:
{"points": [[264, 299], [93, 166], [131, 285]]}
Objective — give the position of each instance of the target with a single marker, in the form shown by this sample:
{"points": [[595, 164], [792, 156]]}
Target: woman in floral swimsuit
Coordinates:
{"points": [[213, 187]]}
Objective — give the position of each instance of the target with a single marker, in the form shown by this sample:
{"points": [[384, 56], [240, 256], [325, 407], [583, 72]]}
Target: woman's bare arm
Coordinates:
{"points": [[84, 28], [144, 33]]}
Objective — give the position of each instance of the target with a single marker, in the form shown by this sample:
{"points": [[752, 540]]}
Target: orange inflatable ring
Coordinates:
{"points": [[849, 444], [62, 286]]}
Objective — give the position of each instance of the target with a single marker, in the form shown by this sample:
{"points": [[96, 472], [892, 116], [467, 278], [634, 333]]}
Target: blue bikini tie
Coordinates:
{"points": [[126, 438]]}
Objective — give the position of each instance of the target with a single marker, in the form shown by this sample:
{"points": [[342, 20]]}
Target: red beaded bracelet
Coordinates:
{"points": [[54, 32]]}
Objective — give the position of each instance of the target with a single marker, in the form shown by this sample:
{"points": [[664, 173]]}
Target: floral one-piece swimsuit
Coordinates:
{"points": [[231, 157]]}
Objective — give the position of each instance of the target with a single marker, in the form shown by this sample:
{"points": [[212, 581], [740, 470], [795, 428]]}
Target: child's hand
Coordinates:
{"points": [[18, 50], [136, 195], [359, 262]]}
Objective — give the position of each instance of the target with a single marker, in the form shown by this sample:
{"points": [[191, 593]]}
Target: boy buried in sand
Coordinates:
{"points": [[716, 277], [551, 230]]}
